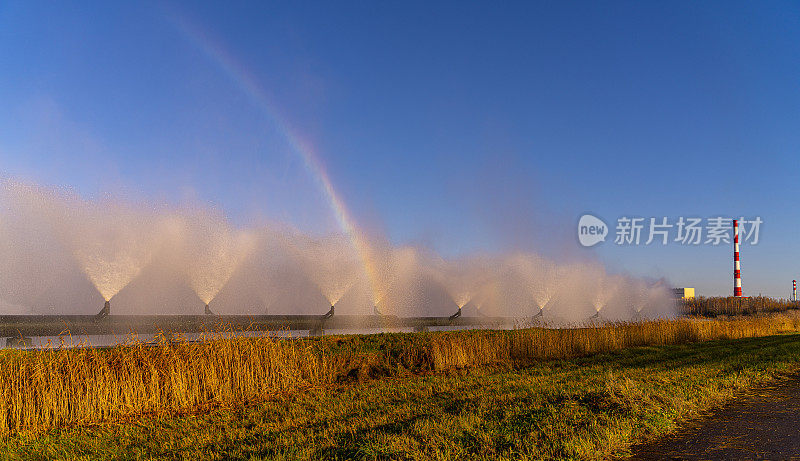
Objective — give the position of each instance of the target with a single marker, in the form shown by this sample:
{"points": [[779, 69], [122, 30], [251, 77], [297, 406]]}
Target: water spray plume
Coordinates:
{"points": [[638, 293], [547, 283], [462, 278], [330, 263], [218, 250], [394, 276], [519, 274], [655, 302], [607, 287], [111, 241]]}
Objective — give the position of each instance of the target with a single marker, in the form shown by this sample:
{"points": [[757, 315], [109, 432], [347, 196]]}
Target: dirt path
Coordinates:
{"points": [[763, 423]]}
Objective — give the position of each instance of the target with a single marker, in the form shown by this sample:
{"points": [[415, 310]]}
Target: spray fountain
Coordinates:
{"points": [[522, 283], [331, 264], [216, 252], [548, 283], [111, 241], [479, 302], [459, 278], [657, 292], [395, 273], [607, 287], [638, 293]]}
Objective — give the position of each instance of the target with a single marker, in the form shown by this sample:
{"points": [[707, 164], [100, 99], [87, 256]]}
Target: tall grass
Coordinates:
{"points": [[715, 306], [518, 347], [46, 388]]}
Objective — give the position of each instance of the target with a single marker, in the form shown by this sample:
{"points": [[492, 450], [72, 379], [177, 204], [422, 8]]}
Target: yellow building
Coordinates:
{"points": [[683, 293]]}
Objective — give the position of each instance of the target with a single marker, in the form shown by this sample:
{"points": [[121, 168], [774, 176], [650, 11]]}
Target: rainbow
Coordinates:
{"points": [[248, 84]]}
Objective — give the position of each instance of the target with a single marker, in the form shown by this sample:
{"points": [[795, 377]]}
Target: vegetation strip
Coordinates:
{"points": [[581, 408], [62, 387], [730, 305]]}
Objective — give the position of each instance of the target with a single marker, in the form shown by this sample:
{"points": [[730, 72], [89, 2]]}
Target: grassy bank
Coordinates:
{"points": [[48, 388], [582, 408], [612, 376]]}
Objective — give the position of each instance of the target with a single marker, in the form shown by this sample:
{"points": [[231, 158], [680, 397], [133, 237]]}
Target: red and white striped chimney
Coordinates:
{"points": [[737, 275], [794, 290]]}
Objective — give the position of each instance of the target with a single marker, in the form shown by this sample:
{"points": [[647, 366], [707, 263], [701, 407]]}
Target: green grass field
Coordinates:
{"points": [[582, 408]]}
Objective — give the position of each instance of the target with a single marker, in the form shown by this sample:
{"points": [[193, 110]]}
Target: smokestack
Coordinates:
{"points": [[794, 290], [737, 275]]}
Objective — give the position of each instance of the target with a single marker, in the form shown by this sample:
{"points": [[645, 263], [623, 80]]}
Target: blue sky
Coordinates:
{"points": [[460, 126]]}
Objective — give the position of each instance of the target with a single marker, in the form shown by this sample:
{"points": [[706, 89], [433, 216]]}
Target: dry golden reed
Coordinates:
{"points": [[716, 306], [520, 346], [46, 388]]}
